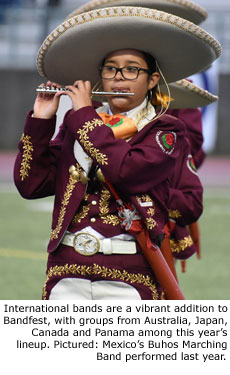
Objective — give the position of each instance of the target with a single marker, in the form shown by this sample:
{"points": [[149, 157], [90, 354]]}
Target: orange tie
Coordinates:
{"points": [[122, 126]]}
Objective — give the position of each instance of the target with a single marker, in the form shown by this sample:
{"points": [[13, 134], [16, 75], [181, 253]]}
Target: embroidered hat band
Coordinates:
{"points": [[181, 8]]}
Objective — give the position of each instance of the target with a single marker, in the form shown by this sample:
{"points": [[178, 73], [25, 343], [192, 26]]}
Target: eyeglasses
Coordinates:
{"points": [[127, 72]]}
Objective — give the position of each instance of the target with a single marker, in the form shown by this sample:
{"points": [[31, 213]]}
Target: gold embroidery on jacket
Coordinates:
{"points": [[150, 223], [181, 245], [26, 156], [151, 212], [84, 139], [174, 214], [104, 202], [65, 201], [83, 211], [103, 272], [104, 209], [111, 219]]}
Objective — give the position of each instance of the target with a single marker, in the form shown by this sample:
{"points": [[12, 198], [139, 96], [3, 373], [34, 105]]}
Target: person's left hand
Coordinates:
{"points": [[80, 94]]}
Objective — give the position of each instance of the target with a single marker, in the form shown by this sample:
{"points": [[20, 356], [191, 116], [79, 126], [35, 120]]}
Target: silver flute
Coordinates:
{"points": [[53, 90]]}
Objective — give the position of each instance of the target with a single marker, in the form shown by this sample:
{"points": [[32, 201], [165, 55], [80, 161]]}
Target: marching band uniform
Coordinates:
{"points": [[181, 241], [42, 169]]}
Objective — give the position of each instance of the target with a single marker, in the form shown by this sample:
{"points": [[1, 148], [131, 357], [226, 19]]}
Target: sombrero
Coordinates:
{"points": [[76, 48], [186, 94], [181, 8]]}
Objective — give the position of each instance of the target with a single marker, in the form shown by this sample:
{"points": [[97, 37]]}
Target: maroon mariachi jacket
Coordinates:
{"points": [[182, 196], [139, 168], [185, 203]]}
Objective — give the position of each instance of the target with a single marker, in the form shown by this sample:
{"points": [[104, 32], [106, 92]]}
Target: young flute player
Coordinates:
{"points": [[124, 142]]}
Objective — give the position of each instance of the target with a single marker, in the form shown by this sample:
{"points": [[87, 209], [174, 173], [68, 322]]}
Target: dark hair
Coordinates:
{"points": [[152, 67], [150, 61]]}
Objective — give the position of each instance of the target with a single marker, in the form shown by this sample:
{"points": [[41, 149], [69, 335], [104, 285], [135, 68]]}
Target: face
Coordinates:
{"points": [[140, 86]]}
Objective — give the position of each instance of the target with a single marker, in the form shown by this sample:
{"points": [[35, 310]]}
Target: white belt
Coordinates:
{"points": [[87, 244]]}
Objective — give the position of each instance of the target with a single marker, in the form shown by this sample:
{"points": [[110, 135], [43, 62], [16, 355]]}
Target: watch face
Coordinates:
{"points": [[86, 244]]}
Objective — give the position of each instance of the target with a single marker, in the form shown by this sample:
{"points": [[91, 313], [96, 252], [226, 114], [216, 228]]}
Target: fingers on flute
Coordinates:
{"points": [[49, 86]]}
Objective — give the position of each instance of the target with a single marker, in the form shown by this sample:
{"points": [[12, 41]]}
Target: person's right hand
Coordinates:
{"points": [[46, 105]]}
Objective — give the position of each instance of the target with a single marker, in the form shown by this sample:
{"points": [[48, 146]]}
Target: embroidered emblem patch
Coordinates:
{"points": [[191, 164], [166, 141]]}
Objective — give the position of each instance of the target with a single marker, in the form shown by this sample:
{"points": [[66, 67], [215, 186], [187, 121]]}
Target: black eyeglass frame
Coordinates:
{"points": [[121, 71]]}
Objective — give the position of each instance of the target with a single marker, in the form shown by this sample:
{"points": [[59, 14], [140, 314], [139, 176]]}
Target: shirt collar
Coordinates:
{"points": [[142, 114]]}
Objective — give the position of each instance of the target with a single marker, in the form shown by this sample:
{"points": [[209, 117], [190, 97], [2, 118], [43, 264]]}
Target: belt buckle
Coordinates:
{"points": [[86, 244]]}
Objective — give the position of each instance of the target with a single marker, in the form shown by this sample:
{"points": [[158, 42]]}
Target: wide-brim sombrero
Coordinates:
{"points": [[186, 94], [76, 48], [181, 8]]}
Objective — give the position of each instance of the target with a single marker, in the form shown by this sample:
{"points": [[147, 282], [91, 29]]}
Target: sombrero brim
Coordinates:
{"points": [[188, 95], [181, 8], [76, 48]]}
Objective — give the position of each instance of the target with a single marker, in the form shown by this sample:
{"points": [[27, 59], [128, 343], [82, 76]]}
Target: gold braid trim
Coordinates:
{"points": [[104, 209], [174, 214], [65, 201], [84, 140], [26, 156], [83, 211], [102, 271], [181, 245], [104, 202]]}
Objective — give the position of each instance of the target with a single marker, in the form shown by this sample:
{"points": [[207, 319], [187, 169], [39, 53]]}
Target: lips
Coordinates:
{"points": [[120, 89]]}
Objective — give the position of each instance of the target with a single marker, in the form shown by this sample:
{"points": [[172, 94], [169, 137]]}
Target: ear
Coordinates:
{"points": [[153, 80]]}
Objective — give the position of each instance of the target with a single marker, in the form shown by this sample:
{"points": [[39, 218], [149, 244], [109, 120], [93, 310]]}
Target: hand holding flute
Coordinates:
{"points": [[46, 103], [80, 93]]}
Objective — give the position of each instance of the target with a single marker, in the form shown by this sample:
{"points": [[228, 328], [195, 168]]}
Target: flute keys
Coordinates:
{"points": [[50, 89]]}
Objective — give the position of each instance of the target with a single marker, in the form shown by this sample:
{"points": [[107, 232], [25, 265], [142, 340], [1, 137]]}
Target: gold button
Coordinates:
{"points": [[92, 219], [84, 178], [100, 175], [94, 203], [72, 168], [75, 175]]}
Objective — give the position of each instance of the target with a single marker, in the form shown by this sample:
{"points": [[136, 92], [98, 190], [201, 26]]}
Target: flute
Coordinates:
{"points": [[53, 90]]}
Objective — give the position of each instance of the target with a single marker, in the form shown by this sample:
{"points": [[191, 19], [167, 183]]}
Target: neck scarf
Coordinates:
{"points": [[122, 126], [126, 125]]}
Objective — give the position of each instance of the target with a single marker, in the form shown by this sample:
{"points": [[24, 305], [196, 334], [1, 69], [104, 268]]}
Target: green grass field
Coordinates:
{"points": [[24, 234]]}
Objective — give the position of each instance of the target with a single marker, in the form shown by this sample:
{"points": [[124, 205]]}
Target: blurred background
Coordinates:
{"points": [[25, 225]]}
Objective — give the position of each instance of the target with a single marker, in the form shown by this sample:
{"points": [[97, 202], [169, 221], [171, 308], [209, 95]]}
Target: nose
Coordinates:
{"points": [[118, 75]]}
